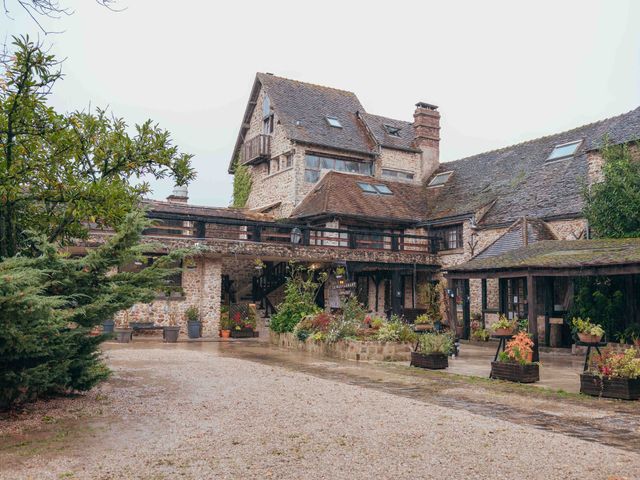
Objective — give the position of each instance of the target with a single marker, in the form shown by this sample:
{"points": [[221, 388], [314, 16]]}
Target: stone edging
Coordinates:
{"points": [[346, 349]]}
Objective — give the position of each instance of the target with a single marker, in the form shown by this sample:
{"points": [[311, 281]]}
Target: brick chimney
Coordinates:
{"points": [[426, 127], [180, 194]]}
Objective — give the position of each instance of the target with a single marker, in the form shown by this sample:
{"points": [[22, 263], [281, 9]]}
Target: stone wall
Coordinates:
{"points": [[346, 349], [202, 288], [401, 160]]}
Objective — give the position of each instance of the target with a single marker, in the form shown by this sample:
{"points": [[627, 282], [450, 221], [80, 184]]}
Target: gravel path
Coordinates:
{"points": [[170, 412]]}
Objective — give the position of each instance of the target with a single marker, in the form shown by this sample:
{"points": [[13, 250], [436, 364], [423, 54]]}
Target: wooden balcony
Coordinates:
{"points": [[256, 148]]}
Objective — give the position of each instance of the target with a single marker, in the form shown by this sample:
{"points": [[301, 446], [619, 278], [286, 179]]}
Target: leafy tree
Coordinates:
{"points": [[301, 290], [58, 172], [613, 205], [50, 303]]}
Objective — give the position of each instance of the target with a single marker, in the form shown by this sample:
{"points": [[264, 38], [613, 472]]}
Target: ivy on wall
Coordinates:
{"points": [[242, 183]]}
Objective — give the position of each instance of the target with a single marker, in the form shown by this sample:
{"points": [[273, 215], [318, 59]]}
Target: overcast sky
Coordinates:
{"points": [[501, 71]]}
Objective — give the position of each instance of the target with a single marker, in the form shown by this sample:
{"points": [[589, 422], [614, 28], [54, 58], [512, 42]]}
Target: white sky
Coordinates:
{"points": [[501, 71]]}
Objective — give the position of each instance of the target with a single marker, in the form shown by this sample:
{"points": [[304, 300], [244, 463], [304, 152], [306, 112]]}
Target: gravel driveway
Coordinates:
{"points": [[174, 412]]}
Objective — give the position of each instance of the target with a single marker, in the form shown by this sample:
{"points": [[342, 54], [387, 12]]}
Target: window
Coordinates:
{"points": [[386, 172], [381, 189], [449, 237], [393, 131], [334, 122], [315, 163], [565, 150], [275, 165], [288, 160], [440, 179], [173, 281], [267, 116]]}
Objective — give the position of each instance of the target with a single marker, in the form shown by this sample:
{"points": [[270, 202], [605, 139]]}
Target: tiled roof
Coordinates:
{"points": [[518, 179], [560, 254], [302, 109], [202, 211], [513, 238], [376, 125], [339, 194]]}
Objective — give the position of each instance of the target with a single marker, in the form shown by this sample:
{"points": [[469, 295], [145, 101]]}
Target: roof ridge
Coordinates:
{"points": [[514, 145], [387, 118], [306, 83]]}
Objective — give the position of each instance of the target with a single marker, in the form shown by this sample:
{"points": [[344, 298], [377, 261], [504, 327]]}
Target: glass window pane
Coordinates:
{"points": [[311, 161], [383, 189], [564, 151], [340, 165], [365, 168], [334, 122], [327, 163], [311, 176], [351, 167], [440, 179], [367, 187]]}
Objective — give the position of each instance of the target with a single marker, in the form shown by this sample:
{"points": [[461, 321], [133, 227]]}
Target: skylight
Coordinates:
{"points": [[380, 189], [564, 151], [334, 122], [393, 131], [440, 179]]}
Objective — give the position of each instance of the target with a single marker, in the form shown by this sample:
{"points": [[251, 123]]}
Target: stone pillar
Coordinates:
{"points": [[211, 294]]}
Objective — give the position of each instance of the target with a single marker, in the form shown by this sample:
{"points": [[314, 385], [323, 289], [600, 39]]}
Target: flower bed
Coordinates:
{"points": [[614, 387], [346, 349]]}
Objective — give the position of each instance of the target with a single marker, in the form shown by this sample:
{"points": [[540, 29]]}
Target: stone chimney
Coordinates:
{"points": [[426, 127], [180, 194]]}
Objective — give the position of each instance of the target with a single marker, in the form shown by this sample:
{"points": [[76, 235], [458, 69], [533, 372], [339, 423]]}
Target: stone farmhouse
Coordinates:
{"points": [[334, 186]]}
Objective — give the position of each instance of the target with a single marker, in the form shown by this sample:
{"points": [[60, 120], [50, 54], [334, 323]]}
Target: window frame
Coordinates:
{"points": [[333, 122], [392, 131], [398, 174], [450, 237], [551, 159], [323, 163], [440, 175]]}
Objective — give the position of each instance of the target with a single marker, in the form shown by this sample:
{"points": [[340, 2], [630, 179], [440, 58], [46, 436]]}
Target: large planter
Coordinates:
{"points": [[422, 327], [107, 326], [610, 387], [225, 333], [170, 334], [588, 338], [503, 332], [242, 333], [194, 328], [432, 361], [515, 372], [123, 335]]}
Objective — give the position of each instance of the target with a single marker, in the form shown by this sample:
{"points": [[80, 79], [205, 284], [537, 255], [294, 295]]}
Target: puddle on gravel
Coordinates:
{"points": [[608, 427]]}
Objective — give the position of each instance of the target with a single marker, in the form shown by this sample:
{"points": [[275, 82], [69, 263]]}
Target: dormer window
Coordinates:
{"points": [[440, 179], [393, 131], [334, 122], [267, 116], [565, 150]]}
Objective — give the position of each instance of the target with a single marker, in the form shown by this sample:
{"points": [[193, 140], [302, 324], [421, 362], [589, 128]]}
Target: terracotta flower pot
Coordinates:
{"points": [[588, 338], [225, 333], [503, 331]]}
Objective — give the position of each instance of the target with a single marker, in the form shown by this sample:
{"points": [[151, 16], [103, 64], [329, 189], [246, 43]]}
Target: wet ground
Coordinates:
{"points": [[206, 409]]}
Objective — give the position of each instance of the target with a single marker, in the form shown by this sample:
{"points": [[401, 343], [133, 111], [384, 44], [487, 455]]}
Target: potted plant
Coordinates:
{"points": [[225, 325], [613, 374], [194, 325], [432, 351], [258, 264], [340, 272], [504, 326], [108, 325], [123, 332], [480, 335], [587, 331], [423, 322], [171, 332], [243, 327], [514, 364]]}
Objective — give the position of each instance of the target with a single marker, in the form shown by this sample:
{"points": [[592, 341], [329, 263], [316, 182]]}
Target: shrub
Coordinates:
{"points": [[301, 290], [612, 364], [435, 343], [481, 334], [395, 331], [518, 349]]}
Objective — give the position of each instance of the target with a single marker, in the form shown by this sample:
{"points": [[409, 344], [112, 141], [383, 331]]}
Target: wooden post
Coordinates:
{"points": [[533, 315]]}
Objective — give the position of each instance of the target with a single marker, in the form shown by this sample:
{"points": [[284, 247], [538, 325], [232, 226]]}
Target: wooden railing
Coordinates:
{"points": [[170, 225], [255, 148]]}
